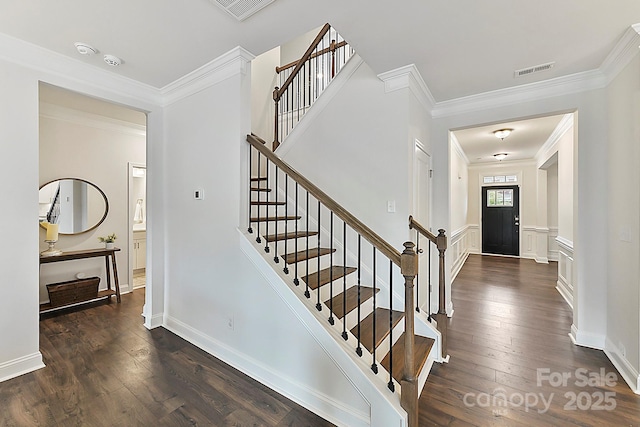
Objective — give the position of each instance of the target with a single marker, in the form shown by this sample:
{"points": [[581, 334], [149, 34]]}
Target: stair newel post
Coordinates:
{"points": [[409, 398], [441, 317], [276, 99]]}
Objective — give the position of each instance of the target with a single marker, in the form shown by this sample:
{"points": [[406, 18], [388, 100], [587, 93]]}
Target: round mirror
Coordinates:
{"points": [[76, 205]]}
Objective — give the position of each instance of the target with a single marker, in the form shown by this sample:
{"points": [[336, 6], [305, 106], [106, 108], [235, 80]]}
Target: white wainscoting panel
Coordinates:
{"points": [[528, 236], [565, 267], [459, 250], [552, 245]]}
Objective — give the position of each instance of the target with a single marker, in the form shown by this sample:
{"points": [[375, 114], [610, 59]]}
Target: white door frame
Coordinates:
{"points": [[130, 214]]}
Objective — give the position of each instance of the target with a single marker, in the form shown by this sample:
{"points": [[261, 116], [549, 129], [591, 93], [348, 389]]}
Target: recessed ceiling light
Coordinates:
{"points": [[85, 49], [502, 133], [114, 61]]}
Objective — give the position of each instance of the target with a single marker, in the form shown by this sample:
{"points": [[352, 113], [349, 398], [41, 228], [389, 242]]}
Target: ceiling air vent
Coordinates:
{"points": [[242, 9], [535, 69]]}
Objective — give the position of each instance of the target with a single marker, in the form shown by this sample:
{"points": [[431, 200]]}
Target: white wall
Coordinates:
{"points": [[463, 236], [91, 147], [552, 210], [263, 81], [623, 208]]}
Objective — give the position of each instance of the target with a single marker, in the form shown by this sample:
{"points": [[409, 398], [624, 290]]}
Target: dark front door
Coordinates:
{"points": [[501, 220]]}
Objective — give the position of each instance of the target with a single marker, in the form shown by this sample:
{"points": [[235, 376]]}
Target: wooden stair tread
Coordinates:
{"points": [[303, 255], [291, 235], [326, 274], [382, 327], [274, 218], [266, 190], [421, 354], [267, 203], [352, 300]]}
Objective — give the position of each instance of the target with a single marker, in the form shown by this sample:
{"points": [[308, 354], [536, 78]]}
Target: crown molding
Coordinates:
{"points": [[97, 81], [559, 86], [408, 77], [551, 143], [520, 163], [622, 53], [234, 62], [456, 146], [83, 118]]}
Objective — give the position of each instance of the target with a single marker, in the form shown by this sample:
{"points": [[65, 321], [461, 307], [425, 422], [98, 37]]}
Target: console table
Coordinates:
{"points": [[88, 253]]}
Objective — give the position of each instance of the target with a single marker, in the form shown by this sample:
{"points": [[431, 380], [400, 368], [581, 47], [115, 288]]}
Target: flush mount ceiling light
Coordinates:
{"points": [[502, 133], [114, 61], [500, 156], [85, 49]]}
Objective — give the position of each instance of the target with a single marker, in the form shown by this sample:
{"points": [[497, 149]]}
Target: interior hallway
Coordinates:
{"points": [[508, 333]]}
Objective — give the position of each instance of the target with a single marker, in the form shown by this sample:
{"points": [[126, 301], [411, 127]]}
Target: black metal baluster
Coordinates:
{"points": [[266, 212], [359, 348], [391, 385], [258, 239], [286, 223], [318, 305], [429, 284], [296, 281], [344, 280], [331, 319], [275, 200], [249, 229], [298, 93], [306, 292], [418, 273], [374, 365]]}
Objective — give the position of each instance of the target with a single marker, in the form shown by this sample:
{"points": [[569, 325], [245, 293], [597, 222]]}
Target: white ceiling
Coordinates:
{"points": [[480, 144], [461, 47]]}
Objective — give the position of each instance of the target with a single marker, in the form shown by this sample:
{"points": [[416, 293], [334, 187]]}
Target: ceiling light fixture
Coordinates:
{"points": [[85, 49], [500, 156], [502, 133], [114, 61]]}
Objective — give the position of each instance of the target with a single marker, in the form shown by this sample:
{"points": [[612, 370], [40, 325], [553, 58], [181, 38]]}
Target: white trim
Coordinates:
{"points": [[408, 77], [55, 64], [152, 322], [565, 292], [583, 339], [622, 364], [565, 243], [622, 53], [459, 238], [20, 366], [551, 144], [334, 87], [234, 62], [458, 148], [96, 121]]}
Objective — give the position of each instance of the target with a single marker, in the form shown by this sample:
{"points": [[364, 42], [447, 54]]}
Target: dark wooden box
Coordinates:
{"points": [[73, 291]]}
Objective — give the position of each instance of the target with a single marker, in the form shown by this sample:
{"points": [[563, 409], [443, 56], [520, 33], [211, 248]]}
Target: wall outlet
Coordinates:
{"points": [[198, 194], [230, 322]]}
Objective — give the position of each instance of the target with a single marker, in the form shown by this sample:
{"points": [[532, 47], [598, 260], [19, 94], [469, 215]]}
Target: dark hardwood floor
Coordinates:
{"points": [[105, 369], [508, 341]]}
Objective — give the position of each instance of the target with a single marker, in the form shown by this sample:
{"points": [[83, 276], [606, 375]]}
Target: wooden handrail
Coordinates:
{"points": [[313, 55], [389, 251], [413, 224], [277, 94]]}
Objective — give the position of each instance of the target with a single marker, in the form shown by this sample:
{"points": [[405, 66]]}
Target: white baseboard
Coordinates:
{"points": [[583, 339], [154, 321], [458, 265], [324, 405], [565, 292], [20, 366], [628, 372]]}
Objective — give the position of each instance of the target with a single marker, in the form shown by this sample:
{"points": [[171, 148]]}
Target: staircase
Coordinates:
{"points": [[346, 271]]}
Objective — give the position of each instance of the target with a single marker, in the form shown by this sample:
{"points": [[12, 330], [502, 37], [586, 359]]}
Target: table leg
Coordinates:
{"points": [[108, 273], [115, 276]]}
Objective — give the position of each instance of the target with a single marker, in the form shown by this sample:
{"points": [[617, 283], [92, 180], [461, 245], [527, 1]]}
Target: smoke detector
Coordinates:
{"points": [[114, 61], [85, 49]]}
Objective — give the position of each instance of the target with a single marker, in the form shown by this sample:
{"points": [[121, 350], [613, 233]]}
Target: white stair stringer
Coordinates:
{"points": [[385, 408]]}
